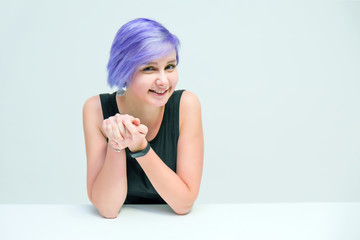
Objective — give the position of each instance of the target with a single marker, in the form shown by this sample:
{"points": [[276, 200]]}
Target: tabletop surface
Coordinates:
{"points": [[206, 221]]}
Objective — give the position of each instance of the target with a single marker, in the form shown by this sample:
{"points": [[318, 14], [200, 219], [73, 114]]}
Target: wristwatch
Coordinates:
{"points": [[140, 153]]}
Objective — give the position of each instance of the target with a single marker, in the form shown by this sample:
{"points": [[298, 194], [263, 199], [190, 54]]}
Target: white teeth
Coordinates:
{"points": [[159, 92]]}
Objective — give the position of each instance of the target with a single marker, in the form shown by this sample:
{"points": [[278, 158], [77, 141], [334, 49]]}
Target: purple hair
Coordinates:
{"points": [[137, 43]]}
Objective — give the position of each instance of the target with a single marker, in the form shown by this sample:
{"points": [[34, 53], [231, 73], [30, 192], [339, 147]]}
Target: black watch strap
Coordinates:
{"points": [[140, 153]]}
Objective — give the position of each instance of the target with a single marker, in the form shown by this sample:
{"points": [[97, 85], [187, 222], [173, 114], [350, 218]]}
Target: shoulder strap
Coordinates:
{"points": [[172, 113], [108, 104], [174, 103]]}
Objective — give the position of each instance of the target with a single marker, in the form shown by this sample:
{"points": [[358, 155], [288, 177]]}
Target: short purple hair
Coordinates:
{"points": [[137, 43]]}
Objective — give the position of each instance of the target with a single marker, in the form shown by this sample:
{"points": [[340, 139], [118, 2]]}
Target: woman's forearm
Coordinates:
{"points": [[167, 183], [110, 186]]}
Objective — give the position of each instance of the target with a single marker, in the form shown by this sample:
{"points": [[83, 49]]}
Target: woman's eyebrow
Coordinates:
{"points": [[155, 63]]}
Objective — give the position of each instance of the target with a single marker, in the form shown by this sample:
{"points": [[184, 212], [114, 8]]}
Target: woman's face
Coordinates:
{"points": [[154, 82]]}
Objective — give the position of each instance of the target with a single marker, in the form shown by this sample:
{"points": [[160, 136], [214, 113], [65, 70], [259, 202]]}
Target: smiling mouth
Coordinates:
{"points": [[160, 93]]}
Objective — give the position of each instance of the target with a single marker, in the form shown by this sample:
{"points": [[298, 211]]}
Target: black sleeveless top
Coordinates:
{"points": [[140, 190]]}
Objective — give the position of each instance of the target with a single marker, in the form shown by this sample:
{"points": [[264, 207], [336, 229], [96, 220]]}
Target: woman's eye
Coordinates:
{"points": [[151, 69], [170, 67], [148, 69]]}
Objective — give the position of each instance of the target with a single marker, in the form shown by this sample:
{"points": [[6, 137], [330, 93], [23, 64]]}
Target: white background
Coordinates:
{"points": [[278, 82]]}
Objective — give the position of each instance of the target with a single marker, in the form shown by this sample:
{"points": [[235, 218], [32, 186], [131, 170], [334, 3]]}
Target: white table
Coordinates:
{"points": [[206, 221]]}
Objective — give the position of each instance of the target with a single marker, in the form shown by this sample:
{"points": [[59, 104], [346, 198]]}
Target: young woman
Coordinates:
{"points": [[144, 143]]}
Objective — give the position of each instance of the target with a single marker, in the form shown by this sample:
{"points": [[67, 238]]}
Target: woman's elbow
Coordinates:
{"points": [[109, 213], [185, 207], [182, 210]]}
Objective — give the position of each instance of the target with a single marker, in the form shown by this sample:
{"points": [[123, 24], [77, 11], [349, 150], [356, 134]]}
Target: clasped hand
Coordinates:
{"points": [[125, 131]]}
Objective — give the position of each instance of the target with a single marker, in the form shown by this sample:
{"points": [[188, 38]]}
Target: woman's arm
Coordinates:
{"points": [[180, 189], [106, 169]]}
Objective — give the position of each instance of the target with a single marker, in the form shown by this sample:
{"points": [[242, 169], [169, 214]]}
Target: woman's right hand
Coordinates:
{"points": [[116, 131]]}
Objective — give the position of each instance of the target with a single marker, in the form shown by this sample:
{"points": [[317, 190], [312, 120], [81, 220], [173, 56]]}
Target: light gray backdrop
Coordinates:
{"points": [[278, 82]]}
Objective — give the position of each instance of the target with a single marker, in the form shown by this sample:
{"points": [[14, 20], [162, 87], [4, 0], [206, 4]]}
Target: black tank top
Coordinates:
{"points": [[140, 190]]}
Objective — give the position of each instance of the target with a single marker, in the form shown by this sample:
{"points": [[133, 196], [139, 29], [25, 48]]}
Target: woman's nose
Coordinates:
{"points": [[162, 79]]}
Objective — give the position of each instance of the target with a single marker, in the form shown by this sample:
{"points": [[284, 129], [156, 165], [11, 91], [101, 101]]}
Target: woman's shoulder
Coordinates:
{"points": [[190, 108], [92, 103], [92, 108], [189, 100]]}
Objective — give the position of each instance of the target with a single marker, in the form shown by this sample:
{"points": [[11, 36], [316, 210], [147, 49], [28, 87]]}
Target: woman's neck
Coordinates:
{"points": [[149, 115]]}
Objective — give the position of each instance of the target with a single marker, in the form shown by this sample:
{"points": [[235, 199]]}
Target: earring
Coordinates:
{"points": [[121, 92]]}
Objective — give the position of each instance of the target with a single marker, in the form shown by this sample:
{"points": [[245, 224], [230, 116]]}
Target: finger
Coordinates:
{"points": [[136, 121], [129, 126], [121, 126], [142, 129], [128, 134], [115, 130], [127, 138], [133, 119], [122, 129], [116, 133], [107, 128]]}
